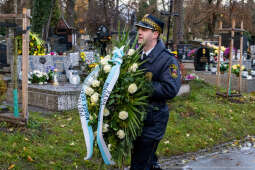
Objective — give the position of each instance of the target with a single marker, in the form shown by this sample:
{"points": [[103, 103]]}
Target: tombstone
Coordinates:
{"points": [[253, 63], [3, 55], [202, 58]]}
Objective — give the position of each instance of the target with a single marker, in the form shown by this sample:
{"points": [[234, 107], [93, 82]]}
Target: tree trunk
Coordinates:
{"points": [[47, 28], [178, 27]]}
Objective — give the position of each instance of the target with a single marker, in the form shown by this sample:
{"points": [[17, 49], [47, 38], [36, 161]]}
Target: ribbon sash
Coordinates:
{"points": [[84, 113], [107, 89]]}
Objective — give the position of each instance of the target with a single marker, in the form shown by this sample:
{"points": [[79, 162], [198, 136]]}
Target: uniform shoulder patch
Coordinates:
{"points": [[173, 70]]}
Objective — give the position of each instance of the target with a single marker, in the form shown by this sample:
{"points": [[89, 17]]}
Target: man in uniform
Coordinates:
{"points": [[162, 69]]}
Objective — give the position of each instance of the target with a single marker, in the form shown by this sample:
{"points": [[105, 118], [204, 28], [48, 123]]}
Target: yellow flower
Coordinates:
{"points": [[243, 67], [92, 65], [234, 67], [38, 46], [31, 44], [19, 51]]}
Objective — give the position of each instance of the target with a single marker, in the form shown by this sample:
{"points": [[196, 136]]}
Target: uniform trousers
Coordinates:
{"points": [[143, 153]]}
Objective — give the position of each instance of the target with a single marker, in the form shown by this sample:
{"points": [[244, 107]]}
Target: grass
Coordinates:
{"points": [[197, 121]]}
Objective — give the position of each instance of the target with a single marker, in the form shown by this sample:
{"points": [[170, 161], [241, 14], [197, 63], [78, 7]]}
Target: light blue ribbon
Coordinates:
{"points": [[108, 86]]}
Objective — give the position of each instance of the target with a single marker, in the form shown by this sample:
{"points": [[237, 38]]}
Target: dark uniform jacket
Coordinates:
{"points": [[166, 82]]}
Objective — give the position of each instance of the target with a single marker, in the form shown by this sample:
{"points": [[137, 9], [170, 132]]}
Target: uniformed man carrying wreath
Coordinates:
{"points": [[162, 69]]}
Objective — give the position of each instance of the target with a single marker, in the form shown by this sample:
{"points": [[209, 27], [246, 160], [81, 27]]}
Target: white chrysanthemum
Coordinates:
{"points": [[95, 83], [133, 68], [45, 82], [105, 128], [108, 57], [94, 98], [104, 61], [107, 68], [89, 91], [131, 52], [121, 134], [40, 83], [123, 115], [106, 112], [109, 147], [29, 82], [132, 88]]}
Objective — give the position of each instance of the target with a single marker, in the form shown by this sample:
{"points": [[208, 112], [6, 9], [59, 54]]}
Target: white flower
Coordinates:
{"points": [[106, 112], [40, 83], [29, 82], [131, 52], [105, 128], [45, 82], [90, 117], [123, 115], [107, 68], [133, 68], [121, 134], [89, 91], [109, 147], [132, 88], [94, 98], [108, 57], [95, 83], [104, 61]]}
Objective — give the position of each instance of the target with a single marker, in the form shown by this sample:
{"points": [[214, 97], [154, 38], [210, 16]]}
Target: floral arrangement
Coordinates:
{"points": [[192, 53], [236, 69], [50, 72], [38, 77], [82, 55], [223, 67], [191, 76], [227, 51], [125, 108], [36, 45]]}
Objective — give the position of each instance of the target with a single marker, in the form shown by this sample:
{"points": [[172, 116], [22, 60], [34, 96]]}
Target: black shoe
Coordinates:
{"points": [[156, 166]]}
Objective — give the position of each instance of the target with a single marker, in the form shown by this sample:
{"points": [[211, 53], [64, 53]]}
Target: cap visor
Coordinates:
{"points": [[140, 24]]}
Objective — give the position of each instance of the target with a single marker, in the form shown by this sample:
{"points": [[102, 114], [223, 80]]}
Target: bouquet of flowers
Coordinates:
{"points": [[36, 45], [38, 77], [50, 72], [236, 69], [113, 102], [192, 53]]}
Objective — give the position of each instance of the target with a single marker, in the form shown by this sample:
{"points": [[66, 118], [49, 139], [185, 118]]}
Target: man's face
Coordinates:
{"points": [[146, 35]]}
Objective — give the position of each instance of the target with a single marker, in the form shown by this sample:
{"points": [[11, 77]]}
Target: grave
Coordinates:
{"points": [[50, 97], [55, 98], [248, 85]]}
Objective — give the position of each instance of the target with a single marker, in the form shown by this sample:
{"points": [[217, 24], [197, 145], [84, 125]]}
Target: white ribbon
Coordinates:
{"points": [[84, 113]]}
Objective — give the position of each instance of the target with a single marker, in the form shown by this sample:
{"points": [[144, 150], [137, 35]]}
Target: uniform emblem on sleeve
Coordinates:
{"points": [[148, 76], [173, 70]]}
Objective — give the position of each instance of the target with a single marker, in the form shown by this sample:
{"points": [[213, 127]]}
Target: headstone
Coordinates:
{"points": [[253, 63], [202, 58]]}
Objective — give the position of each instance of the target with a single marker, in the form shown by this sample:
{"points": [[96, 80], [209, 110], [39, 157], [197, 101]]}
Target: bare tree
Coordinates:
{"points": [[178, 27]]}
